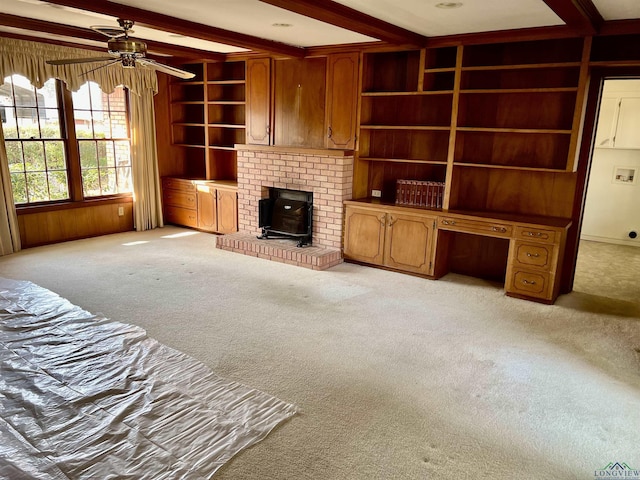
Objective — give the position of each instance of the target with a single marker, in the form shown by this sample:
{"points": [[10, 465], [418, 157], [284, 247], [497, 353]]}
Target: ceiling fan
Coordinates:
{"points": [[127, 51]]}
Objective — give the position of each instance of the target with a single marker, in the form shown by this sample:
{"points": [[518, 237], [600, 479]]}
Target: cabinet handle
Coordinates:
{"points": [[529, 282], [392, 221], [448, 222], [329, 132], [268, 129], [533, 234], [383, 219], [499, 229], [534, 255]]}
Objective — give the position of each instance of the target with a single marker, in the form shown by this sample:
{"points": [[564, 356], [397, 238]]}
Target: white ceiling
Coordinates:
{"points": [[259, 19]]}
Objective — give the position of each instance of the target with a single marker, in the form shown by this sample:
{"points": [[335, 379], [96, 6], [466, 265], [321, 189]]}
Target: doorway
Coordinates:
{"points": [[608, 261]]}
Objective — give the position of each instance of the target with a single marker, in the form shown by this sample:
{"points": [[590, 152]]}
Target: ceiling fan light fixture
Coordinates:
{"points": [[128, 61], [449, 5]]}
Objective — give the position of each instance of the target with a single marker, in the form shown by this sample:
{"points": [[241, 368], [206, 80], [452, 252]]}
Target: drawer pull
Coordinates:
{"points": [[448, 222], [529, 282], [533, 234], [499, 229], [534, 255]]}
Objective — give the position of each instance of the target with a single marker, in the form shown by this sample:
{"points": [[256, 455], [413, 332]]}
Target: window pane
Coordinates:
{"points": [[84, 126], [19, 186], [37, 187], [9, 126], [101, 125], [119, 125], [106, 157], [88, 158], [24, 93], [34, 156], [28, 123], [49, 123], [56, 159], [58, 185], [108, 181], [81, 99], [14, 154], [90, 182]]}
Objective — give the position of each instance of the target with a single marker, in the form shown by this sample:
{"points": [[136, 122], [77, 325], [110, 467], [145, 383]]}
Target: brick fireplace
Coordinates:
{"points": [[328, 174]]}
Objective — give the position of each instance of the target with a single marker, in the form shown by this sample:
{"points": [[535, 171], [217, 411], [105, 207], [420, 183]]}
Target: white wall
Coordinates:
{"points": [[612, 208]]}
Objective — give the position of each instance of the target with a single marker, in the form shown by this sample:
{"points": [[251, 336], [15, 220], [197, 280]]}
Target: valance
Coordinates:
{"points": [[29, 60]]}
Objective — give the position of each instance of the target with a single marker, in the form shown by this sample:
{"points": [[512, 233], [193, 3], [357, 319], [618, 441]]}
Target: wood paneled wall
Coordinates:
{"points": [[60, 225]]}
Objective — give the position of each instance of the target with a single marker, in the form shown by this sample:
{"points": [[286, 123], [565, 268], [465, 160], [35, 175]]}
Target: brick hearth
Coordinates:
{"points": [[326, 173]]}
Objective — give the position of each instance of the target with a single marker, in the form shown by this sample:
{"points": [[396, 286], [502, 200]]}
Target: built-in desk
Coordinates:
{"points": [[417, 240]]}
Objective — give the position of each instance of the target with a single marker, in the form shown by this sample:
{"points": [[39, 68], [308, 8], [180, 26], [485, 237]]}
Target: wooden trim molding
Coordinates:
{"points": [[580, 15], [295, 150], [345, 17]]}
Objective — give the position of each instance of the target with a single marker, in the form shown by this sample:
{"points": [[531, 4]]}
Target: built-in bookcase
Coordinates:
{"points": [[208, 118], [496, 122]]}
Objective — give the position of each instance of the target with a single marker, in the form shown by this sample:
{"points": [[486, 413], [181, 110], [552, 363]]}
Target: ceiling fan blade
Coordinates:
{"points": [[78, 60], [101, 66], [166, 68], [111, 32]]}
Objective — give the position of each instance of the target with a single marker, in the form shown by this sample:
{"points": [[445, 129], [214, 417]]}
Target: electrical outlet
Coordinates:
{"points": [[121, 211], [376, 193]]}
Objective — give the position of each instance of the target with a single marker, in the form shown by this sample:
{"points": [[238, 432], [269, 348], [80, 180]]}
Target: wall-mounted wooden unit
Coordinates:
{"points": [[208, 118], [498, 123], [406, 110]]}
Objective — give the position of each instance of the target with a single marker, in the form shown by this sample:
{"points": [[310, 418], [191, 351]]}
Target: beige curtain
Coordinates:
{"points": [[29, 60], [9, 233], [147, 207]]}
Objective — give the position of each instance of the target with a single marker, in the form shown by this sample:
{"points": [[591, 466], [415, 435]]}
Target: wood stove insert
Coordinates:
{"points": [[286, 214]]}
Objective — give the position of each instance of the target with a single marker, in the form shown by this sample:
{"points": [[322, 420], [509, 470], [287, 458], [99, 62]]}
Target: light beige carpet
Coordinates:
{"points": [[396, 377]]}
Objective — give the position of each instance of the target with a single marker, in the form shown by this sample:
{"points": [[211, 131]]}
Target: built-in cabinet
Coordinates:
{"points": [[389, 236], [307, 103], [207, 205], [499, 124], [619, 122], [419, 241]]}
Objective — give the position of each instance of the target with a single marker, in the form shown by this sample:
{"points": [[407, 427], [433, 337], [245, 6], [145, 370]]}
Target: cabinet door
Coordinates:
{"points": [[342, 92], [364, 235], [628, 124], [227, 211], [409, 242], [607, 118], [258, 101], [207, 218]]}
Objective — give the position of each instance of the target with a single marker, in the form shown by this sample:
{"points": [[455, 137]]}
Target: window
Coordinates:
{"points": [[43, 163], [35, 147], [102, 130]]}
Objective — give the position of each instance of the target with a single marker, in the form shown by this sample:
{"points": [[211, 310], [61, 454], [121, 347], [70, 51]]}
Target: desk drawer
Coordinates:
{"points": [[176, 198], [529, 284], [537, 234], [492, 229], [535, 255]]}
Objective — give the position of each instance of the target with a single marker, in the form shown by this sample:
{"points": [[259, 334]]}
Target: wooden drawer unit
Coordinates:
{"points": [[534, 255], [480, 227], [177, 198], [537, 234], [181, 216], [530, 284], [207, 205], [181, 184]]}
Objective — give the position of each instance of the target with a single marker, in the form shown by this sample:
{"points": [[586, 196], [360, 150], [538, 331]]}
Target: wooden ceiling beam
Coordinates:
{"points": [[344, 17], [159, 48], [178, 26], [580, 15]]}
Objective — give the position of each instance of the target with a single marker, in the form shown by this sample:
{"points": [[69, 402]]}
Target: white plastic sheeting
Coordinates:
{"points": [[82, 396]]}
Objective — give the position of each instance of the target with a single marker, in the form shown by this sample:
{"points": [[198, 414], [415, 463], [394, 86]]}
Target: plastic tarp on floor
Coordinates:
{"points": [[82, 396]]}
